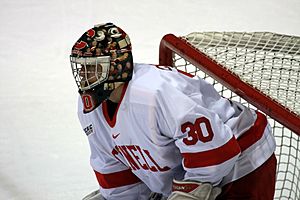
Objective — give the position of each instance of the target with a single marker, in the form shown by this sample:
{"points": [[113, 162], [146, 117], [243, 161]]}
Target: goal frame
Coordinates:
{"points": [[171, 43]]}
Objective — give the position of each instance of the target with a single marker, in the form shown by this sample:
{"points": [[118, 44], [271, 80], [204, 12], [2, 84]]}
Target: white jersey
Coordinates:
{"points": [[172, 126]]}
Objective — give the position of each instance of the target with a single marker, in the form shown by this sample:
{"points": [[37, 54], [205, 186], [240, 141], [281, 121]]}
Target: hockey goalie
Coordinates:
{"points": [[158, 133]]}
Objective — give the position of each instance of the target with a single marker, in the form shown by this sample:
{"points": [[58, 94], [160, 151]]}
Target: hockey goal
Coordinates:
{"points": [[259, 69]]}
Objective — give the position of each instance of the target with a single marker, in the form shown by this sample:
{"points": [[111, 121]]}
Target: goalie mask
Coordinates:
{"points": [[100, 60]]}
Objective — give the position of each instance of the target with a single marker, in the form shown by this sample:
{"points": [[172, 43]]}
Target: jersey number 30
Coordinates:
{"points": [[200, 130]]}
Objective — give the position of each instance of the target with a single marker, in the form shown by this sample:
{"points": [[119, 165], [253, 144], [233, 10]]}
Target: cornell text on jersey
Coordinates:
{"points": [[138, 158]]}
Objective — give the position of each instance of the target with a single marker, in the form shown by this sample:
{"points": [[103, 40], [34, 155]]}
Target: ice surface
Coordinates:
{"points": [[43, 151]]}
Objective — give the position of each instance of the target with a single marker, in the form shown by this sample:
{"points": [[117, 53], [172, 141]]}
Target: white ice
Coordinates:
{"points": [[44, 153]]}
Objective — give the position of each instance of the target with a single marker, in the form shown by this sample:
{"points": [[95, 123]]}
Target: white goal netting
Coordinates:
{"points": [[270, 63]]}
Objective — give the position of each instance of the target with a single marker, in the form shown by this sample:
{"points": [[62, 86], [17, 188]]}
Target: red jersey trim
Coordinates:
{"points": [[112, 122], [212, 157], [163, 67], [255, 133], [186, 73], [116, 179]]}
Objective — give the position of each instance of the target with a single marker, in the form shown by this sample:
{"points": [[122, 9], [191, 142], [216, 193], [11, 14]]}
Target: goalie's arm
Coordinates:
{"points": [[116, 181], [196, 121]]}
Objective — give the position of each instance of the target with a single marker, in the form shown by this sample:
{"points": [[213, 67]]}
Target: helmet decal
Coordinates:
{"points": [[105, 38], [91, 33]]}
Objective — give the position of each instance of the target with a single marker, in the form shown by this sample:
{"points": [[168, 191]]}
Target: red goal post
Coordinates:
{"points": [[259, 69]]}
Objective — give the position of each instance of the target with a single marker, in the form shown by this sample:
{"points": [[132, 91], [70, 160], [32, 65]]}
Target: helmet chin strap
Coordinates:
{"points": [[92, 98], [116, 94]]}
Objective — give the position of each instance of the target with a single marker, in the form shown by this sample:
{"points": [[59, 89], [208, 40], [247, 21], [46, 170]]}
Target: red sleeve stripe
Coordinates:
{"points": [[116, 179], [212, 157], [254, 133]]}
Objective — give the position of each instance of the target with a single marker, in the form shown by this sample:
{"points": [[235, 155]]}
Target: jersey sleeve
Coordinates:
{"points": [[116, 181], [192, 113]]}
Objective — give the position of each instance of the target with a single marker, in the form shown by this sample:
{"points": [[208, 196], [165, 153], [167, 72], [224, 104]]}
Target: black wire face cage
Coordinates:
{"points": [[89, 72]]}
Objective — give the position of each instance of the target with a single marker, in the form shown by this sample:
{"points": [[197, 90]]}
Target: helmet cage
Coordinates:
{"points": [[90, 71]]}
